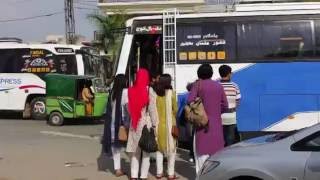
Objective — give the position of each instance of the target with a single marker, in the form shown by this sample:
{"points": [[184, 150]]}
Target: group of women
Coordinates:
{"points": [[155, 106]]}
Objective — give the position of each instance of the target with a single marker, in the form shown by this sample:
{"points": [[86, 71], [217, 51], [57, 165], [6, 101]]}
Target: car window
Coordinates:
{"points": [[309, 143], [314, 142]]}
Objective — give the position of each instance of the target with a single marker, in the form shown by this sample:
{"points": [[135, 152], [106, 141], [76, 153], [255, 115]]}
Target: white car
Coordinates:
{"points": [[291, 155]]}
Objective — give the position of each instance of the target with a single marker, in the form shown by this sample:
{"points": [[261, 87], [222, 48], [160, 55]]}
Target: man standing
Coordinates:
{"points": [[232, 92]]}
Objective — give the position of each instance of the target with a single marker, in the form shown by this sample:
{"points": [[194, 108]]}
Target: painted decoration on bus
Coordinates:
{"points": [[39, 61], [152, 29], [204, 42]]}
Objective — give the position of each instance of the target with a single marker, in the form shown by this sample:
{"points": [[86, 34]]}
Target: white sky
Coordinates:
{"points": [[37, 29]]}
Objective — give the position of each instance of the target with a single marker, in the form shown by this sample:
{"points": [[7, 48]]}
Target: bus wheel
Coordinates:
{"points": [[38, 108], [56, 119]]}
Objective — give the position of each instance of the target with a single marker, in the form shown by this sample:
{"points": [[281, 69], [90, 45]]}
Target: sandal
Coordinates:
{"points": [[119, 173], [173, 177], [159, 176]]}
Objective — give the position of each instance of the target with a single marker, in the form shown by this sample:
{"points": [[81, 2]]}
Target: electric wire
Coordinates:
{"points": [[31, 17]]}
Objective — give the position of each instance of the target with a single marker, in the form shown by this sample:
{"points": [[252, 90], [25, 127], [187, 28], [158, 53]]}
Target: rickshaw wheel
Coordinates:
{"points": [[56, 119]]}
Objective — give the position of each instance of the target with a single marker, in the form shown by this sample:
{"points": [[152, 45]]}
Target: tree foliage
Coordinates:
{"points": [[109, 27]]}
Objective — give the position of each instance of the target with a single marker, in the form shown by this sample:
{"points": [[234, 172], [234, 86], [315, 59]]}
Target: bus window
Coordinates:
{"points": [[317, 37], [66, 64], [12, 60], [278, 40], [88, 64]]}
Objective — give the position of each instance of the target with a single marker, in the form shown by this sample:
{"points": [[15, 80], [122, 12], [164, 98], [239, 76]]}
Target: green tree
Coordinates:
{"points": [[111, 29]]}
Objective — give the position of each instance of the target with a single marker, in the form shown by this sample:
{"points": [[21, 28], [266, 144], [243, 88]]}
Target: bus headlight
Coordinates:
{"points": [[208, 166]]}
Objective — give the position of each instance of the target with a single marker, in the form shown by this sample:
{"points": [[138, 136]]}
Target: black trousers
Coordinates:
{"points": [[230, 134]]}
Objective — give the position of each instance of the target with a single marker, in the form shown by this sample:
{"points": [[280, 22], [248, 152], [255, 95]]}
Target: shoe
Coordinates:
{"points": [[173, 177], [133, 178], [191, 160], [159, 176], [119, 173]]}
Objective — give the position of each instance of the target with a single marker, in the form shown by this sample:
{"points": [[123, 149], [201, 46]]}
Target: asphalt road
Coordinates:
{"points": [[32, 150]]}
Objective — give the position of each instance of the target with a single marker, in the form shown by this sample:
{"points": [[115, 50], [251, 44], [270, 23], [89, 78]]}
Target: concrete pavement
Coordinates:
{"points": [[32, 150]]}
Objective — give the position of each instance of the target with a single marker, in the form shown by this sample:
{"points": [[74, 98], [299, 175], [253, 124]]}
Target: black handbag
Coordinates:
{"points": [[147, 140]]}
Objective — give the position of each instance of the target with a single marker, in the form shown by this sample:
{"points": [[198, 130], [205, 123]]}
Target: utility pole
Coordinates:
{"points": [[69, 21]]}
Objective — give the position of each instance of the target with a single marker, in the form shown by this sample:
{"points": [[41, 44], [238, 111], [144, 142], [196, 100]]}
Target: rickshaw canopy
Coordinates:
{"points": [[63, 85]]}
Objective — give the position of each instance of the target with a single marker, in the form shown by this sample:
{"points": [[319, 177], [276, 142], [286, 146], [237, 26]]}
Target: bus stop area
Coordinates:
{"points": [[33, 150]]}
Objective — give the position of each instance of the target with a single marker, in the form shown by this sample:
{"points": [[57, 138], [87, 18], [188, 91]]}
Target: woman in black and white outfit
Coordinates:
{"points": [[116, 116]]}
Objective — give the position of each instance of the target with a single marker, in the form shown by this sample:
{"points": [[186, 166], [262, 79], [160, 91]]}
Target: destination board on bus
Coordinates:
{"points": [[205, 42]]}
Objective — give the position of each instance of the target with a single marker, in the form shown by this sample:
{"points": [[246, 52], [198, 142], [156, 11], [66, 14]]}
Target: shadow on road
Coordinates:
{"points": [[10, 115], [183, 168]]}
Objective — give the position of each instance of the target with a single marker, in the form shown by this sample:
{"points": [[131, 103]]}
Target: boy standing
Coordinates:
{"points": [[232, 92]]}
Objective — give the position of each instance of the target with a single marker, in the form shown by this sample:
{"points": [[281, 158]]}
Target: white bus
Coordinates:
{"points": [[22, 67], [273, 49]]}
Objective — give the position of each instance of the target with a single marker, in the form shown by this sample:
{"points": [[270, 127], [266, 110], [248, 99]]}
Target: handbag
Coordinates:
{"points": [[124, 125], [147, 140], [195, 112], [175, 132], [123, 134]]}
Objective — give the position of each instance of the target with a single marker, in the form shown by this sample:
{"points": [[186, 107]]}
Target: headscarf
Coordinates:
{"points": [[138, 96]]}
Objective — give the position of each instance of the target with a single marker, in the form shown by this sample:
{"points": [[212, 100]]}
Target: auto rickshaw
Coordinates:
{"points": [[64, 98]]}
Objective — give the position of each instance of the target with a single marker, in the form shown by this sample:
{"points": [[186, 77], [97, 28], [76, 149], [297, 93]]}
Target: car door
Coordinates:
{"points": [[310, 144], [312, 171]]}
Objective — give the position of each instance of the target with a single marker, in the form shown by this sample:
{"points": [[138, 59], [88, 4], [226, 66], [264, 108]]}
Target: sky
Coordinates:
{"points": [[37, 29]]}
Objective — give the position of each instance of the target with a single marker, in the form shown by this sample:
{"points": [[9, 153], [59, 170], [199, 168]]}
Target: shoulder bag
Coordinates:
{"points": [[147, 140], [195, 112]]}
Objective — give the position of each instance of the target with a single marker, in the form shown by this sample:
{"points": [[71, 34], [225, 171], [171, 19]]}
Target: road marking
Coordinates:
{"points": [[62, 134]]}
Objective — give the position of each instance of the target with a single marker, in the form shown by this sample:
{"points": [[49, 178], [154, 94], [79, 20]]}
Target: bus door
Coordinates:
{"points": [[146, 51]]}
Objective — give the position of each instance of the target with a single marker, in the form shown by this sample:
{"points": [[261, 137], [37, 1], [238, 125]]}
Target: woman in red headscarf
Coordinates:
{"points": [[140, 97]]}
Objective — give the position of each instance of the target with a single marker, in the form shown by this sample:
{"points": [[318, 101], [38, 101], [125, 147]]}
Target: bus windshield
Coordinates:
{"points": [[93, 63]]}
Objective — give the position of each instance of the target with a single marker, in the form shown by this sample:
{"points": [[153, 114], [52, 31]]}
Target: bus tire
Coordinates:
{"points": [[56, 119], [38, 108]]}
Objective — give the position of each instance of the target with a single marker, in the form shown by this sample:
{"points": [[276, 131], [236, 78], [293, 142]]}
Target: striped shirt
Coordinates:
{"points": [[233, 95]]}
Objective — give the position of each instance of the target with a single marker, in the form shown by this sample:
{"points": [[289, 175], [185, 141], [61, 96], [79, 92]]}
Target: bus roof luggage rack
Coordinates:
{"points": [[10, 39]]}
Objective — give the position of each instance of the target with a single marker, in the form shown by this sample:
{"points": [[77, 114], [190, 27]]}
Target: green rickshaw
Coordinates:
{"points": [[64, 98]]}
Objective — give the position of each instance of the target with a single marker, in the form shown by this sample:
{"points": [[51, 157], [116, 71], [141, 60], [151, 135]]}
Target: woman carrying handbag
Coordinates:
{"points": [[116, 122], [208, 139], [141, 111]]}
